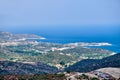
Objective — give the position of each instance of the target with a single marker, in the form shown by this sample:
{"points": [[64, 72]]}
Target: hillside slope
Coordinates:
{"points": [[92, 64], [7, 67]]}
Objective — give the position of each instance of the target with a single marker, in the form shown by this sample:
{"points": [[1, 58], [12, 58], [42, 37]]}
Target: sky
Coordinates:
{"points": [[61, 17]]}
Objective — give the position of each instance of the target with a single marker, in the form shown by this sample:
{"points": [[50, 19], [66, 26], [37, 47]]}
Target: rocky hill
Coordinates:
{"points": [[115, 72], [100, 74]]}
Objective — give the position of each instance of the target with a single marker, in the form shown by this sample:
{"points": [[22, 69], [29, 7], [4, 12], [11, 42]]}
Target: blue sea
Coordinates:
{"points": [[69, 36], [115, 42]]}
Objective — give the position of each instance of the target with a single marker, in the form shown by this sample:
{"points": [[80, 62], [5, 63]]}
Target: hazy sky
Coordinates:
{"points": [[57, 15]]}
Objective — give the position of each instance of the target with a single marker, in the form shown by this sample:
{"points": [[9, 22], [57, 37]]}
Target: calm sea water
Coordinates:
{"points": [[64, 35], [115, 42]]}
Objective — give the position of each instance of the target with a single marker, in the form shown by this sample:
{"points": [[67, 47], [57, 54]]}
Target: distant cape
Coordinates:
{"points": [[6, 36]]}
